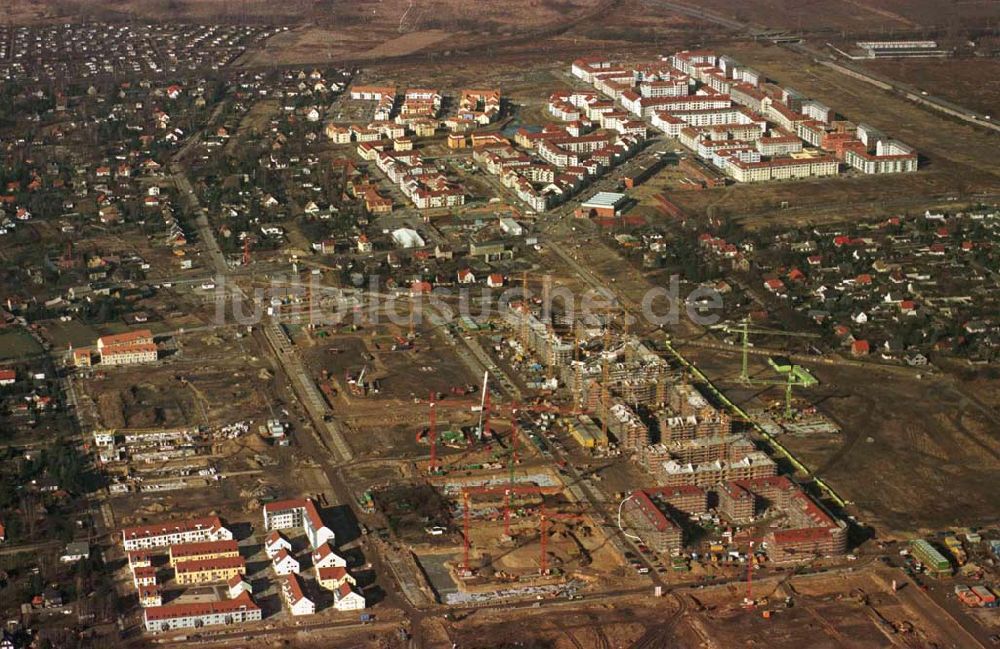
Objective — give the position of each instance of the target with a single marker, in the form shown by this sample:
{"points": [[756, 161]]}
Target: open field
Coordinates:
{"points": [[222, 385], [854, 16], [17, 344], [936, 449], [973, 83]]}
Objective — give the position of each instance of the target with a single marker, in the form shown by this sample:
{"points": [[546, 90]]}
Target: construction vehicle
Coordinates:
{"points": [[402, 344], [361, 385]]}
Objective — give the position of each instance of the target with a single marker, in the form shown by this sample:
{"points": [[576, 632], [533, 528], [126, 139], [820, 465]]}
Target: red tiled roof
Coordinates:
{"points": [[301, 503], [182, 550], [333, 573], [171, 527], [127, 338], [172, 611], [199, 565]]}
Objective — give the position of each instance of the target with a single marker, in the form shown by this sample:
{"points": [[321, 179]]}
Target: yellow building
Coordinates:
{"points": [[203, 550], [586, 433], [207, 570], [81, 357]]}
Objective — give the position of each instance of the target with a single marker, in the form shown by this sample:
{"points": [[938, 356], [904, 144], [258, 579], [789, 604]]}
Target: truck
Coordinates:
{"points": [[986, 598], [966, 596], [366, 618]]}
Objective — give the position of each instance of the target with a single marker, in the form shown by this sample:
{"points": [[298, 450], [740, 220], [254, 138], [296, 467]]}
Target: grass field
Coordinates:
{"points": [[857, 16], [972, 83], [16, 343]]}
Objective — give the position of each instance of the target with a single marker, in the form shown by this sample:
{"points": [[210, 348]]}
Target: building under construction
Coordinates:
{"points": [[697, 451], [539, 338], [751, 466]]}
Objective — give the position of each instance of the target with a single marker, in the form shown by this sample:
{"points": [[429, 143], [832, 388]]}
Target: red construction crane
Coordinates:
{"points": [[432, 466], [465, 530], [507, 492], [488, 409], [246, 250], [543, 564], [433, 405]]}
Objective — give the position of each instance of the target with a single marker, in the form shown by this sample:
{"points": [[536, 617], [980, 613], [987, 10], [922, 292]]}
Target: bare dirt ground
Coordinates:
{"points": [[973, 83], [223, 386], [907, 445], [856, 16]]}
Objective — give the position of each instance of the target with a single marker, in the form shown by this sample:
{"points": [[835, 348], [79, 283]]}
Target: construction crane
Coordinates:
{"points": [[434, 466], [792, 379], [543, 564], [246, 250], [507, 492], [745, 330]]}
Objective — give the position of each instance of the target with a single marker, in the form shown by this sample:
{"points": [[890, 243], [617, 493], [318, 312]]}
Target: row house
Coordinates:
{"points": [[656, 528], [175, 532], [284, 563], [584, 68], [332, 578], [754, 465], [190, 616], [294, 597], [780, 168], [748, 95], [686, 60], [345, 598], [890, 156], [780, 144], [675, 86], [667, 123], [806, 544], [736, 502], [562, 109], [372, 93], [811, 131], [202, 550], [780, 113], [364, 134], [647, 106], [203, 571], [127, 348], [685, 498], [144, 576], [274, 543], [743, 132], [817, 111], [150, 595]]}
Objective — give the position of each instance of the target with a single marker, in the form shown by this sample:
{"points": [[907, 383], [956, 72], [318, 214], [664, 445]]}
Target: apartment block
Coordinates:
{"points": [[202, 550], [209, 570], [175, 532], [174, 617], [286, 514]]}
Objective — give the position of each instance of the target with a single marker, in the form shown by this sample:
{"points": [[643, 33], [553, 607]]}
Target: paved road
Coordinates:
{"points": [[206, 238], [305, 388]]}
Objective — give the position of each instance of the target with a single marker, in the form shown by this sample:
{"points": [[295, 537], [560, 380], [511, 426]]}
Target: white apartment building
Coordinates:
{"points": [[302, 513], [190, 616], [295, 599], [167, 533]]}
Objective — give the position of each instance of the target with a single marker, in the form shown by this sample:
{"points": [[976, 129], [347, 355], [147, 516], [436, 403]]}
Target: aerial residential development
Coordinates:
{"points": [[443, 325]]}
